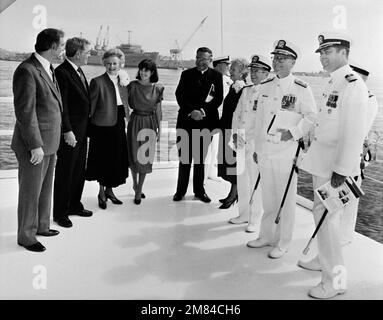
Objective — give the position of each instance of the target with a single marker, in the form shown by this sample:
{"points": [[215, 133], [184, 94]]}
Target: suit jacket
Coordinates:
{"points": [[191, 94], [103, 101], [38, 108], [75, 100]]}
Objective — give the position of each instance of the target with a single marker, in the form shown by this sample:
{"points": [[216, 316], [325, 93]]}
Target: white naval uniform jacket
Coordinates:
{"points": [[340, 128], [245, 114], [297, 114]]}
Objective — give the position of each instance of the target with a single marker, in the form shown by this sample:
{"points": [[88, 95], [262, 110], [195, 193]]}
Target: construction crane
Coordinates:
{"points": [[176, 54], [105, 44]]}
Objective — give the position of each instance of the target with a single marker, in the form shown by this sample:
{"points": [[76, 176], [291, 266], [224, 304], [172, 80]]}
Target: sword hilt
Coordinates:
{"points": [[278, 216]]}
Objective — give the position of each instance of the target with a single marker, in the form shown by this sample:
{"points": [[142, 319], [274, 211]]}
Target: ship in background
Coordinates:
{"points": [[134, 53]]}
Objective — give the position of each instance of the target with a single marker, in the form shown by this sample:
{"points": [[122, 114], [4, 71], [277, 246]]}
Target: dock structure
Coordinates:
{"points": [[166, 250]]}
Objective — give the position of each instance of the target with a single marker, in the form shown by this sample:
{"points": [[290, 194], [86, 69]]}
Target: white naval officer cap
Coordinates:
{"points": [[333, 38], [286, 48], [224, 59], [259, 61]]}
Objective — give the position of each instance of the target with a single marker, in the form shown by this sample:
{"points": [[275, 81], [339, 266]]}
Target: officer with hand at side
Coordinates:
{"points": [[243, 137], [334, 154]]}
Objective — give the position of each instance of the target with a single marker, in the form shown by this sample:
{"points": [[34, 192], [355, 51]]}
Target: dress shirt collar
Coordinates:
{"points": [[203, 71], [72, 64], [45, 63], [113, 78]]}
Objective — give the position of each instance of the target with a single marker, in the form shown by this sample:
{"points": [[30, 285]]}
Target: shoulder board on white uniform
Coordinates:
{"points": [[249, 85], [370, 94], [300, 83], [350, 77], [267, 80]]}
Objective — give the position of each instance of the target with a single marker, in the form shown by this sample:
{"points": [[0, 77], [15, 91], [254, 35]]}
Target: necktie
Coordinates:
{"points": [[53, 75], [82, 77]]}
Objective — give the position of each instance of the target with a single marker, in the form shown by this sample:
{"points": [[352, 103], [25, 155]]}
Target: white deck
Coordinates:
{"points": [[167, 250]]}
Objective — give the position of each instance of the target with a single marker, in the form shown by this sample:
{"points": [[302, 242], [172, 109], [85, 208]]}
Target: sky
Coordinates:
{"points": [[249, 26]]}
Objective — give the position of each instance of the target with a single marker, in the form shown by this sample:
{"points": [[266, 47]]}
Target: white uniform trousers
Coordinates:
{"points": [[274, 177], [348, 219], [247, 174], [211, 167], [328, 237]]}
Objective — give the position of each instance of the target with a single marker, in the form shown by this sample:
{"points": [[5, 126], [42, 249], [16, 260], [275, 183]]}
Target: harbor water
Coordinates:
{"points": [[370, 214]]}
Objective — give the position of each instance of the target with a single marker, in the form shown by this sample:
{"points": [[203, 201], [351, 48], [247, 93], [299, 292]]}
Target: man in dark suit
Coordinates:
{"points": [[36, 137], [199, 94], [71, 156]]}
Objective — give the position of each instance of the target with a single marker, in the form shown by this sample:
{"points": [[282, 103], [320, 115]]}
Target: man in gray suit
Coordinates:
{"points": [[36, 137]]}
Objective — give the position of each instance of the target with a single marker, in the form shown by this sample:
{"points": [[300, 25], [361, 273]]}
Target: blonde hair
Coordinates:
{"points": [[243, 66], [115, 52]]}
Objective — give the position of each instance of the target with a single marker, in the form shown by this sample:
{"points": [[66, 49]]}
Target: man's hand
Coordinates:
{"points": [[285, 134], [37, 156], [337, 180], [255, 157], [70, 138], [235, 140], [196, 115]]}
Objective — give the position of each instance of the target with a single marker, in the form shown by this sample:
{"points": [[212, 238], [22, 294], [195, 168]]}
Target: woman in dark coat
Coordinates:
{"points": [[226, 155], [144, 127], [108, 154]]}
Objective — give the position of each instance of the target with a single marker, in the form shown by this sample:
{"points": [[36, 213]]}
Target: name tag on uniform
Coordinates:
{"points": [[255, 105], [288, 102], [332, 100]]}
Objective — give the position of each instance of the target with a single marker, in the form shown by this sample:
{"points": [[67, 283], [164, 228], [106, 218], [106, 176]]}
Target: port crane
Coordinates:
{"points": [[176, 54], [98, 39]]}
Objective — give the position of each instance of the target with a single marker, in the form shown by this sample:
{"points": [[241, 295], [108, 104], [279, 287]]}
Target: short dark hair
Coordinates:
{"points": [[46, 38], [339, 47], [204, 49], [74, 44], [148, 64]]}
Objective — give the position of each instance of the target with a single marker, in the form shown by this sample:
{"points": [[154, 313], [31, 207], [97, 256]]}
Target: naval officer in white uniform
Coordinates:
{"points": [[348, 218], [349, 214], [292, 103], [243, 129], [335, 152]]}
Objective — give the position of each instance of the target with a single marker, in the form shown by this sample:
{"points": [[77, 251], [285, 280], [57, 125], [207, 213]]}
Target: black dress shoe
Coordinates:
{"points": [[82, 213], [223, 200], [137, 201], [64, 222], [203, 197], [229, 203], [177, 197], [36, 247], [49, 233], [101, 202], [113, 198]]}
